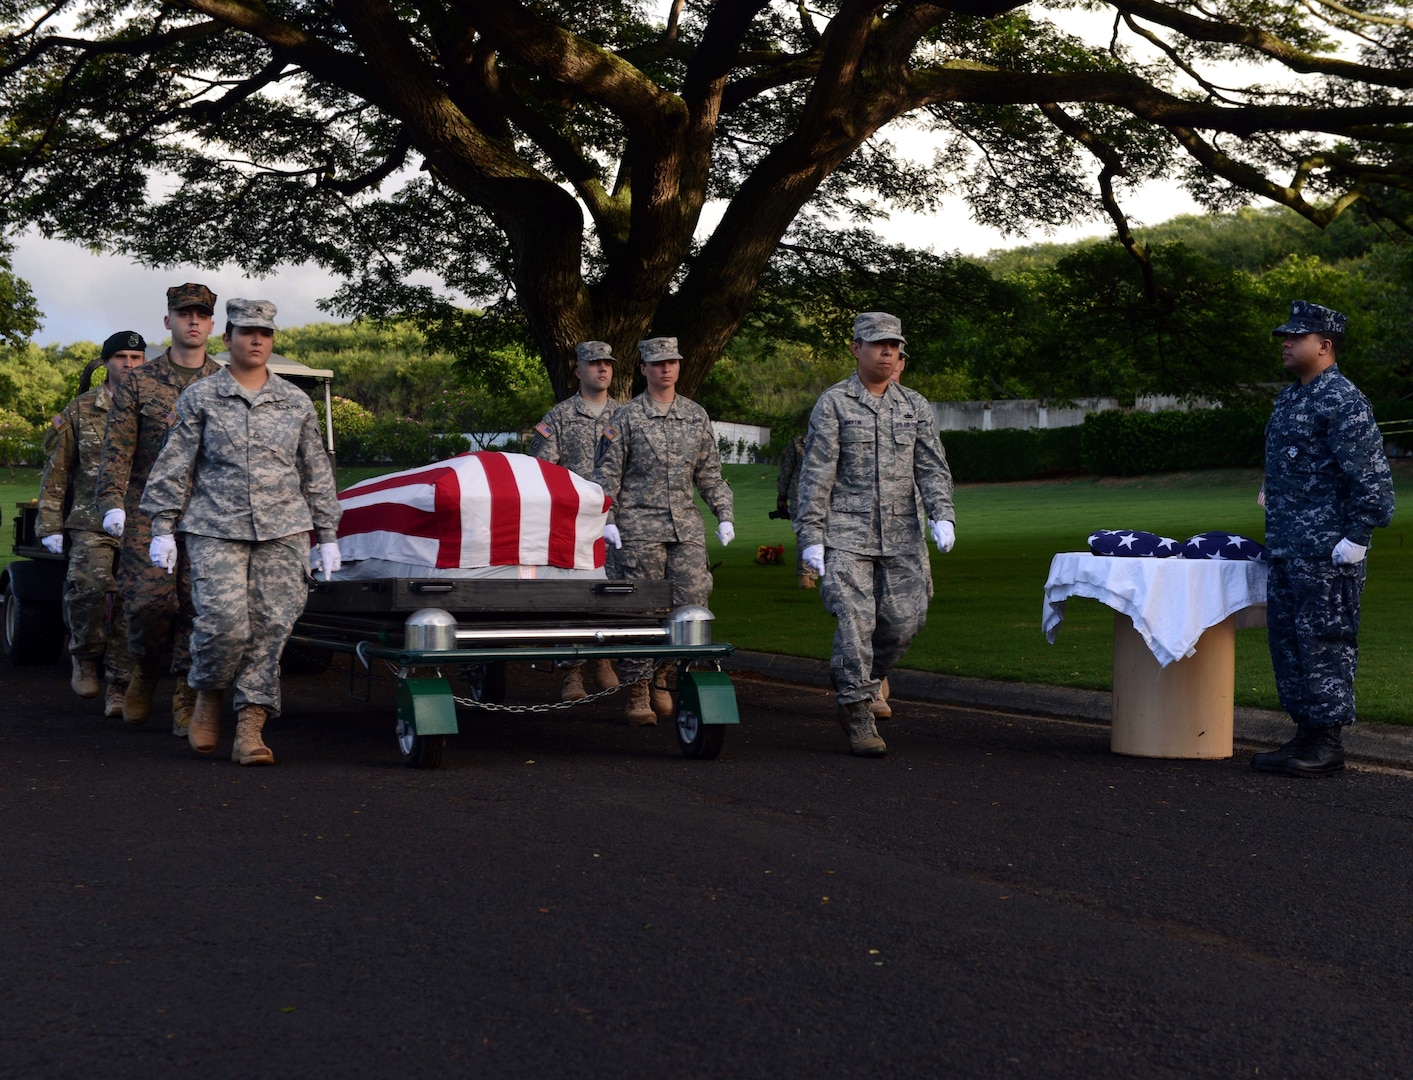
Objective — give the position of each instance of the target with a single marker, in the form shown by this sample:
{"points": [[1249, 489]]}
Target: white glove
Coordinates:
{"points": [[813, 557], [163, 551], [54, 543], [330, 560], [726, 532], [944, 535], [113, 522], [611, 537], [1347, 553]]}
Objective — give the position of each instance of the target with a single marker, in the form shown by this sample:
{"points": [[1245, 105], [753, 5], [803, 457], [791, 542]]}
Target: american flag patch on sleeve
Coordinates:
{"points": [[610, 432], [543, 429]]}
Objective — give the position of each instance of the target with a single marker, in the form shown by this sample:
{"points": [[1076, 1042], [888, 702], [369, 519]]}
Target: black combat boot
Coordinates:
{"points": [[1324, 754], [1274, 760]]}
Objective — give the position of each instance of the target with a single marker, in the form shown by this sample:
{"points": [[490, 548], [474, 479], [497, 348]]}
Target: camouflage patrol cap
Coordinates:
{"points": [[657, 349], [587, 351], [1308, 318], [123, 341], [878, 326], [191, 295], [241, 312]]}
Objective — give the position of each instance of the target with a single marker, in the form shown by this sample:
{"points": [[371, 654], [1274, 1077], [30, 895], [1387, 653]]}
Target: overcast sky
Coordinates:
{"points": [[86, 297]]}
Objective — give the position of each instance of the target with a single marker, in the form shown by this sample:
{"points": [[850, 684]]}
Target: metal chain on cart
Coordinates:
{"points": [[491, 706]]}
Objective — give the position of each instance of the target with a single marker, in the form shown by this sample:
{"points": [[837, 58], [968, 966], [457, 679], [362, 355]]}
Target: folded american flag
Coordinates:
{"points": [[1223, 545], [1132, 543], [481, 509]]}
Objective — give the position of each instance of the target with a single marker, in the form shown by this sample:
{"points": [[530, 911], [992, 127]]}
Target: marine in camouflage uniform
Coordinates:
{"points": [[787, 500], [652, 456], [157, 604], [245, 478], [1327, 488], [569, 436], [72, 447], [870, 456]]}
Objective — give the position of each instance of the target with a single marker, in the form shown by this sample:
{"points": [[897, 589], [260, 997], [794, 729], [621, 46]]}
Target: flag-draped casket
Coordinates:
{"points": [[484, 509]]}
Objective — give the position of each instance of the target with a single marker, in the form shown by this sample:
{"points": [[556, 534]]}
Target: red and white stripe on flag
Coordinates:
{"points": [[481, 509]]}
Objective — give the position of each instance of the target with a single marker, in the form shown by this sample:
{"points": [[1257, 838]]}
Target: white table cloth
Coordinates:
{"points": [[1171, 601]]}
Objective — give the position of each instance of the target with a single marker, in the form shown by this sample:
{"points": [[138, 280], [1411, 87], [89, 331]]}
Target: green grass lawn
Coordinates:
{"points": [[985, 618]]}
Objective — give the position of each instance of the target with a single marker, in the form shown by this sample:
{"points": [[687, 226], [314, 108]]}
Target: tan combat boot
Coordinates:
{"points": [[249, 748], [204, 731], [638, 711], [84, 680], [573, 686], [857, 723], [137, 701], [183, 705], [879, 706], [661, 696], [604, 675], [113, 699]]}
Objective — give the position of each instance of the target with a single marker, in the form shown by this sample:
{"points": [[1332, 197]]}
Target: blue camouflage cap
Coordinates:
{"points": [[878, 326], [657, 349], [240, 312], [588, 351], [1308, 318]]}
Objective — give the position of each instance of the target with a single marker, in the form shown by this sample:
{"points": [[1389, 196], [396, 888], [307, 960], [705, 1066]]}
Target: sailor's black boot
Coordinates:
{"points": [[1324, 754], [1274, 760]]}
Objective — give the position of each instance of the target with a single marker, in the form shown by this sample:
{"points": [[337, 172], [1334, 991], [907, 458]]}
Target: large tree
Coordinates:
{"points": [[562, 159]]}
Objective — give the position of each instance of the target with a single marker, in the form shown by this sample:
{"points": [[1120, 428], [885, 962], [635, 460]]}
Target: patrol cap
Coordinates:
{"points": [[123, 341], [191, 295], [1308, 318], [587, 351], [657, 349], [878, 326], [241, 312]]}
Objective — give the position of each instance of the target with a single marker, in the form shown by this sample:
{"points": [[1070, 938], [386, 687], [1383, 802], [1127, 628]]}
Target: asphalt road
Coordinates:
{"points": [[568, 897]]}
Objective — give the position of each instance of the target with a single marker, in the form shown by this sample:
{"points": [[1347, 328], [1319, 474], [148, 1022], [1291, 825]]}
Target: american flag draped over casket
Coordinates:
{"points": [[481, 509]]}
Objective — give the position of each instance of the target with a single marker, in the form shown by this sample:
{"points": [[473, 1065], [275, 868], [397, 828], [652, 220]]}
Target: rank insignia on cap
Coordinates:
{"points": [[543, 429], [610, 432]]}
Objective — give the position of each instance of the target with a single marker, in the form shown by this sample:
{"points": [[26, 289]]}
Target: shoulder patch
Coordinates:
{"points": [[58, 421], [172, 417], [543, 429], [610, 432]]}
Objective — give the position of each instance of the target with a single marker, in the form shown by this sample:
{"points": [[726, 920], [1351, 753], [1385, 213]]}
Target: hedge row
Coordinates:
{"points": [[979, 457], [1111, 444], [1129, 443]]}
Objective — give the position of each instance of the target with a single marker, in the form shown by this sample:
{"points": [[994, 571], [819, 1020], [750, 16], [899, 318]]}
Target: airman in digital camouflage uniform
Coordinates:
{"points": [[654, 452], [72, 448], [569, 436], [1327, 489], [244, 477], [157, 605], [871, 455]]}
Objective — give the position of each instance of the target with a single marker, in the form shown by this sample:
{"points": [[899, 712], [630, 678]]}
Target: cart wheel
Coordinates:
{"points": [[696, 739], [34, 630], [419, 751], [485, 682]]}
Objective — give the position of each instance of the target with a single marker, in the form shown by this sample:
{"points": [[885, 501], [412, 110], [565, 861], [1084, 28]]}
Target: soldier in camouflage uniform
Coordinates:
{"points": [[244, 477], [72, 447], [654, 451], [787, 501], [871, 455], [157, 605], [569, 436], [1327, 489]]}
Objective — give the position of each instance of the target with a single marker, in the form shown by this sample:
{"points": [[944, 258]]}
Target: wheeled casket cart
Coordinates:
{"points": [[427, 629]]}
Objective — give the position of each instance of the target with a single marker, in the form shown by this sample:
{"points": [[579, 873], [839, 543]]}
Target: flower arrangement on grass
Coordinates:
{"points": [[768, 555]]}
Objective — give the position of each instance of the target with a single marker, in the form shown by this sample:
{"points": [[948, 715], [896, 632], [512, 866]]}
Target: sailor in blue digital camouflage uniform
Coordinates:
{"points": [[1327, 489]]}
